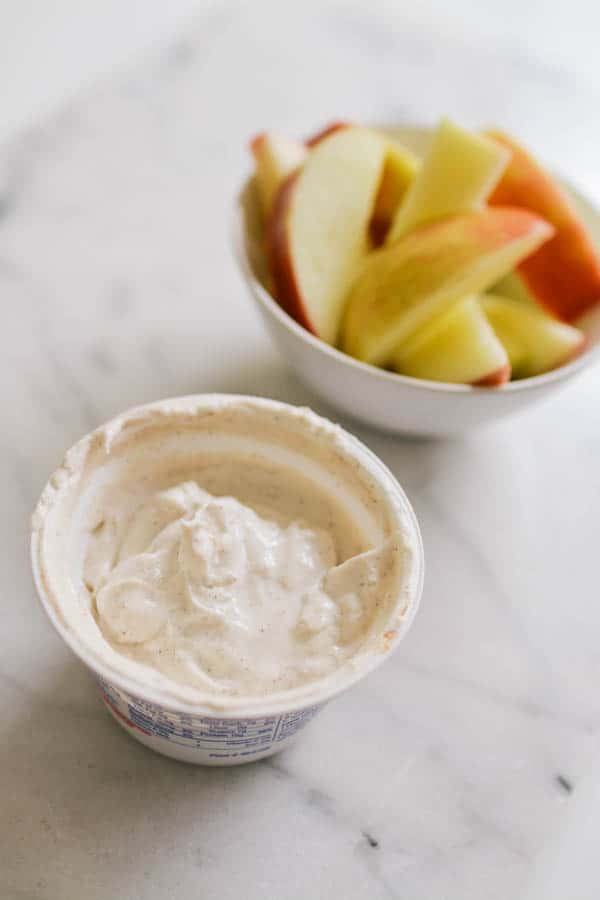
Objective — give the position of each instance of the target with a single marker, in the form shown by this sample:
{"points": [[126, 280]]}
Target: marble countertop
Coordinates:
{"points": [[446, 773]]}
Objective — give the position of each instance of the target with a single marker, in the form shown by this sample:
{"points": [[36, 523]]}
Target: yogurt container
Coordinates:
{"points": [[182, 720]]}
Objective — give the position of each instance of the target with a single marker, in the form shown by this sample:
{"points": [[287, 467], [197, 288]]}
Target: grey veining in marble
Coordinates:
{"points": [[443, 774]]}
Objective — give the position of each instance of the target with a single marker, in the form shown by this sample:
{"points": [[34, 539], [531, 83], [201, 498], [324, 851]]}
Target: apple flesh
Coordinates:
{"points": [[534, 341], [399, 171], [513, 286], [403, 286], [276, 157], [458, 173], [459, 347], [317, 233], [400, 167], [564, 275]]}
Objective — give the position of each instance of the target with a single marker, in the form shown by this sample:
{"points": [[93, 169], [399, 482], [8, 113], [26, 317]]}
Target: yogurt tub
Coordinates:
{"points": [[224, 566]]}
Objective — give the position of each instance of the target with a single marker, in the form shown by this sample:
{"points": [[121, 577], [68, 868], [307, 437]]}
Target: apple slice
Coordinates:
{"points": [[400, 167], [399, 171], [402, 287], [317, 233], [276, 157], [459, 172], [564, 276], [458, 347], [534, 341], [513, 287]]}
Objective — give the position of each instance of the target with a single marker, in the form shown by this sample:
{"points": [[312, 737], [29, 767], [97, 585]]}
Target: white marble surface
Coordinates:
{"points": [[73, 43], [444, 774]]}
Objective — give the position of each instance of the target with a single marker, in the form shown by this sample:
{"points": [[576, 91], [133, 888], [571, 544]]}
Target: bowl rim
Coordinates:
{"points": [[565, 371]]}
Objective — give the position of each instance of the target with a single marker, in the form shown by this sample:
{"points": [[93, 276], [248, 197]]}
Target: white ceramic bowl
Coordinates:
{"points": [[394, 402]]}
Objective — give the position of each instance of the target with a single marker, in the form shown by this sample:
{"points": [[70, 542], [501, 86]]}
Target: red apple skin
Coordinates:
{"points": [[281, 267], [325, 132], [255, 142], [563, 276], [495, 379]]}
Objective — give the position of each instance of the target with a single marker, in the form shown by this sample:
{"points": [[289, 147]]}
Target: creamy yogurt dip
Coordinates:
{"points": [[221, 547], [212, 594]]}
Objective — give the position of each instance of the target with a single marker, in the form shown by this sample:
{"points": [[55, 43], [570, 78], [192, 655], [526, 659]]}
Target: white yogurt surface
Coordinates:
{"points": [[208, 592]]}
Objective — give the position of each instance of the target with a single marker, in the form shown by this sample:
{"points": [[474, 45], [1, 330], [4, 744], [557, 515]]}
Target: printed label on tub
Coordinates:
{"points": [[222, 738]]}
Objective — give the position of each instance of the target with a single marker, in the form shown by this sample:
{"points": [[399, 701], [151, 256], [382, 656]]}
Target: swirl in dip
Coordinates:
{"points": [[221, 547]]}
